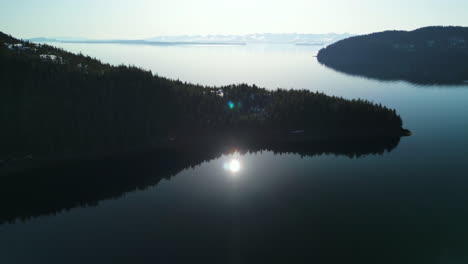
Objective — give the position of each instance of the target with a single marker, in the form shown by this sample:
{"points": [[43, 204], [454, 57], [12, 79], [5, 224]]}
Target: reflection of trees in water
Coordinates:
{"points": [[419, 74], [396, 215], [59, 186]]}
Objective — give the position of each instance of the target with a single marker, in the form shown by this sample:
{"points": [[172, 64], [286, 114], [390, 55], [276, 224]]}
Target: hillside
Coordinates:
{"points": [[59, 104], [427, 55]]}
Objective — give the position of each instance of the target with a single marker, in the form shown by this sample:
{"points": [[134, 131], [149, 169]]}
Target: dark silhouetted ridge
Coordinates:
{"points": [[431, 55], [56, 104]]}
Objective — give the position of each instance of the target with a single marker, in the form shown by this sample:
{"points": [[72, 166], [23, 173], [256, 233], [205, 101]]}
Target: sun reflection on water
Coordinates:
{"points": [[232, 165]]}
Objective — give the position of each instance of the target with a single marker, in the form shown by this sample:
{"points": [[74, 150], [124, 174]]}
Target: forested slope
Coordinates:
{"points": [[55, 103]]}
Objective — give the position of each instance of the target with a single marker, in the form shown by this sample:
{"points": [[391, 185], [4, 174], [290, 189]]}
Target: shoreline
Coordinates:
{"points": [[190, 143]]}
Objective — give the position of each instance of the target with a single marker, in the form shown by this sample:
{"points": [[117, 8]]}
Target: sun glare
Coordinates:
{"points": [[233, 166]]}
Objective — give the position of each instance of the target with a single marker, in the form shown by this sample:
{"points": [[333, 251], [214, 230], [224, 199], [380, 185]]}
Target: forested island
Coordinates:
{"points": [[58, 104], [430, 55]]}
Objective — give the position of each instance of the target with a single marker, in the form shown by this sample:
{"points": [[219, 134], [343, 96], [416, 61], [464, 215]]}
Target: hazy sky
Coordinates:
{"points": [[147, 18]]}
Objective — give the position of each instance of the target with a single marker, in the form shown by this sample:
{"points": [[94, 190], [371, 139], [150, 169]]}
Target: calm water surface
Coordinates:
{"points": [[409, 205]]}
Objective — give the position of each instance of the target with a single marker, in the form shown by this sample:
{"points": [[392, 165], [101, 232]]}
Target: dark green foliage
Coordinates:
{"points": [[427, 55], [57, 103]]}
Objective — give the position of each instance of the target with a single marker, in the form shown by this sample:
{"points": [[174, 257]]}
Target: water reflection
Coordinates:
{"points": [[58, 186], [417, 74], [233, 166]]}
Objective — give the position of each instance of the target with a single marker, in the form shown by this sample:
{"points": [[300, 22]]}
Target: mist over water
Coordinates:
{"points": [[409, 203]]}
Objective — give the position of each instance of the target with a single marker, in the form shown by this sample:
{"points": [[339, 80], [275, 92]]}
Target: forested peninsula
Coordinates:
{"points": [[430, 55], [59, 104]]}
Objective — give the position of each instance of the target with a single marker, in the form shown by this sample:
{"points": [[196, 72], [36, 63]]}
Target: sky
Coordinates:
{"points": [[135, 19]]}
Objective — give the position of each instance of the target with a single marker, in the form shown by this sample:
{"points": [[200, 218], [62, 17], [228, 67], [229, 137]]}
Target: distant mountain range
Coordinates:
{"points": [[286, 38], [266, 38], [131, 41]]}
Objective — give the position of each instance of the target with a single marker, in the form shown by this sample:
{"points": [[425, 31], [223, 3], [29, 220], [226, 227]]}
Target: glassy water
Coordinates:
{"points": [[325, 205]]}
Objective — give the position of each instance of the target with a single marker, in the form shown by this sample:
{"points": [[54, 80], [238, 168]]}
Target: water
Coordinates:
{"points": [[408, 205]]}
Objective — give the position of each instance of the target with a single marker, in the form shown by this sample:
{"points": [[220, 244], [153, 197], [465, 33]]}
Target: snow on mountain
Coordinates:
{"points": [[265, 38]]}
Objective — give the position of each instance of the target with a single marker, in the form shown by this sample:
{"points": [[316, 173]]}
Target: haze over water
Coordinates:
{"points": [[409, 203]]}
